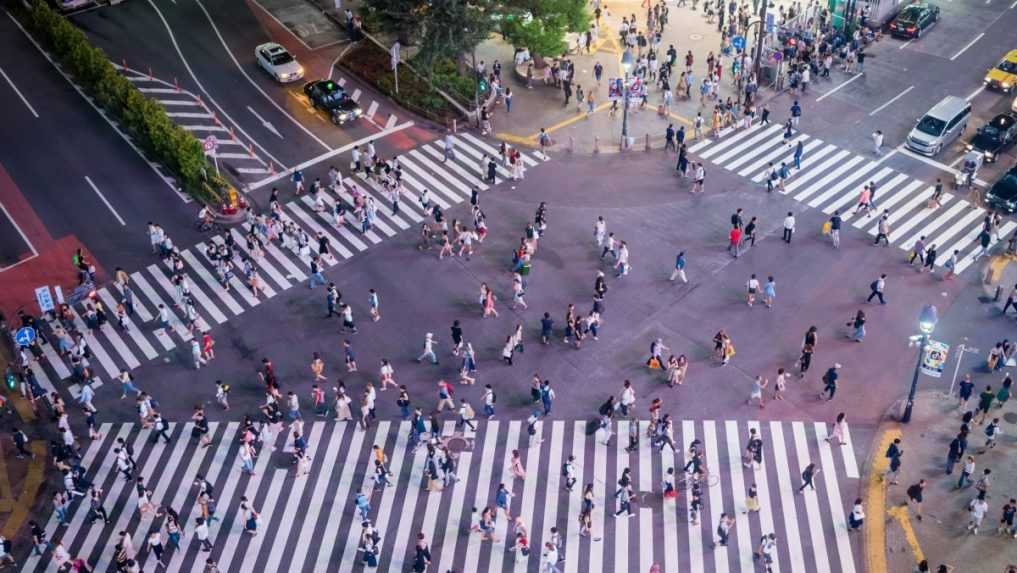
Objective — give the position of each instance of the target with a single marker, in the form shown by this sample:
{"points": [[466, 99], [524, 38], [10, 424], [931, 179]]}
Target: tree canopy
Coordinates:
{"points": [[540, 25]]}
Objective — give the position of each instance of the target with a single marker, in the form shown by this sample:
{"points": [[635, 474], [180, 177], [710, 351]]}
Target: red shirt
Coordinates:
{"points": [[735, 235]]}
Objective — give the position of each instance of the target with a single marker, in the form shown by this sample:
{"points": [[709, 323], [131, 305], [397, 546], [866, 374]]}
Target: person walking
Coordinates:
{"points": [[835, 224], [679, 268], [877, 287], [857, 516], [915, 494], [877, 142], [428, 352], [830, 381], [808, 475], [789, 227]]}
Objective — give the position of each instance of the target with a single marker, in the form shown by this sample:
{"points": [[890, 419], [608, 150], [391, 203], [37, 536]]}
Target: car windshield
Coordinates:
{"points": [[1008, 184], [1008, 66], [280, 58], [909, 16], [931, 125], [990, 131], [333, 97]]}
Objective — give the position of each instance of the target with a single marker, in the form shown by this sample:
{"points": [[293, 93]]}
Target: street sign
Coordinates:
{"points": [[395, 54], [44, 298], [210, 144], [935, 358], [24, 336], [769, 23], [738, 42]]}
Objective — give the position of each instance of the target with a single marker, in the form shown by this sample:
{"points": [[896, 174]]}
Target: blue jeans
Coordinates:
{"points": [[316, 279], [508, 105], [798, 161], [950, 463], [964, 477], [405, 411], [547, 406], [488, 410]]}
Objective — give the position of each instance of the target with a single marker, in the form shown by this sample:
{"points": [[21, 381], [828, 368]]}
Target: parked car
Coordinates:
{"points": [[995, 137], [331, 98], [1003, 77], [278, 62], [913, 20], [1002, 196]]}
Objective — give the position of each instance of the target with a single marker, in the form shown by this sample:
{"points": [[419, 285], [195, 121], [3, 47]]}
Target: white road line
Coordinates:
{"points": [[501, 525], [241, 286], [973, 95], [320, 492], [77, 517], [471, 178], [388, 495], [884, 203], [156, 300], [127, 510], [807, 162], [965, 48], [621, 522], [787, 500], [382, 201], [177, 102], [409, 509], [483, 495], [105, 201], [183, 491], [153, 90], [334, 243], [782, 154], [862, 173], [212, 282], [716, 503], [753, 133], [723, 143], [811, 499], [216, 128], [646, 559], [167, 286], [24, 237], [329, 203], [767, 147], [811, 174], [118, 344], [392, 120], [490, 149], [435, 184], [763, 488], [771, 133], [836, 504], [838, 87], [478, 156], [135, 334], [742, 528], [20, 95], [906, 44], [345, 485], [371, 109], [848, 451], [695, 531], [830, 177], [235, 533], [893, 99], [936, 164], [846, 199], [261, 263], [355, 96], [965, 241], [166, 476], [431, 510], [294, 272], [450, 536], [942, 217], [188, 115], [967, 219], [253, 170], [601, 501], [572, 537], [54, 359], [551, 483], [886, 199], [669, 508], [444, 174], [94, 346], [287, 520]]}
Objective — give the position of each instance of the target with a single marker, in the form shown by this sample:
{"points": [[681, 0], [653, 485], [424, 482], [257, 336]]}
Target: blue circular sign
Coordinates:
{"points": [[738, 42], [25, 336]]}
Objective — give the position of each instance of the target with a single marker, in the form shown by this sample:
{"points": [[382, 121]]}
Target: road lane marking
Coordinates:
{"points": [[24, 238], [372, 109], [103, 197], [284, 26], [268, 125], [936, 164], [834, 90], [905, 44], [17, 91], [893, 99], [253, 83], [980, 89], [965, 48]]}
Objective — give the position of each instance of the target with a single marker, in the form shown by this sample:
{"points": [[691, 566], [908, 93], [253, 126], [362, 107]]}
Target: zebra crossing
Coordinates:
{"points": [[281, 268], [309, 523], [831, 179]]}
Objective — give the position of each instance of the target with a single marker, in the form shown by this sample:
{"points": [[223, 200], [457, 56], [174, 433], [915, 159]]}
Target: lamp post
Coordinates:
{"points": [[926, 323], [759, 39], [626, 62]]}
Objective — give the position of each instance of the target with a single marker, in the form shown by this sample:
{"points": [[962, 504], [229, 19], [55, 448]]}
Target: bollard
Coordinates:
{"points": [[999, 293], [647, 142], [176, 83], [596, 144], [572, 144], [150, 73]]}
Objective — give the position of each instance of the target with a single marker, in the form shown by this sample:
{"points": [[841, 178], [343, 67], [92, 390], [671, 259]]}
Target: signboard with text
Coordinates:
{"points": [[934, 358]]}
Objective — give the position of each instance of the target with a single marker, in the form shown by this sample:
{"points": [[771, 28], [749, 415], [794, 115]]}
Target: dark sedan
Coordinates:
{"points": [[995, 137], [1002, 196], [913, 20], [330, 97]]}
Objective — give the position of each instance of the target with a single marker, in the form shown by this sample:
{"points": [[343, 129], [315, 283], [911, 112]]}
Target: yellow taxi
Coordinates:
{"points": [[1004, 75]]}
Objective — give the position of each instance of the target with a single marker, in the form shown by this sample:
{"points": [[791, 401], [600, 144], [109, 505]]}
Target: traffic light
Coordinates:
{"points": [[12, 381], [482, 85]]}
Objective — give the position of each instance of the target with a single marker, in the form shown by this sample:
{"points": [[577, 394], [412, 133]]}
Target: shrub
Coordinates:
{"points": [[142, 118]]}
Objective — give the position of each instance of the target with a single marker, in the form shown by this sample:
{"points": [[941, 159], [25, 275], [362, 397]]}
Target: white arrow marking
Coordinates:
{"points": [[268, 125]]}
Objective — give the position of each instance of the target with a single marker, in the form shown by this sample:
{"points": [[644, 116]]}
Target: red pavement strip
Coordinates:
{"points": [[53, 265]]}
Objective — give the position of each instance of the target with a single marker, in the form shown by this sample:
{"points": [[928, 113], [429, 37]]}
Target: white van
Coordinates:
{"points": [[945, 122]]}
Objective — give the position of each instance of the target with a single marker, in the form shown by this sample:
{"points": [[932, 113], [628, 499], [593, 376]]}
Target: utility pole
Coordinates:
{"points": [[759, 39]]}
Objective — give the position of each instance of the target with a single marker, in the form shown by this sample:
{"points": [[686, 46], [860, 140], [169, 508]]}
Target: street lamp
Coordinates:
{"points": [[926, 324], [626, 63]]}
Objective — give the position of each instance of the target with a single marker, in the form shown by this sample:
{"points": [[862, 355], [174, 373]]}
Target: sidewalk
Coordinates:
{"points": [[942, 537], [999, 272]]}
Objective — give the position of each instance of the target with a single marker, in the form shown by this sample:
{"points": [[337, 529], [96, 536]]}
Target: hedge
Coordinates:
{"points": [[142, 118], [373, 65]]}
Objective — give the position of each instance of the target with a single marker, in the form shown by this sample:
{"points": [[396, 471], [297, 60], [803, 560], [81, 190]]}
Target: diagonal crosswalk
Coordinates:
{"points": [[309, 523], [279, 268], [831, 179]]}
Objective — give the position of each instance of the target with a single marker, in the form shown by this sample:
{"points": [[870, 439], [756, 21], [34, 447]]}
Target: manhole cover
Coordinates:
{"points": [[695, 37], [1010, 417]]}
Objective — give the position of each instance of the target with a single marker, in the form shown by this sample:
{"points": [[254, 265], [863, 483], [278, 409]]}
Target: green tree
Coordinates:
{"points": [[402, 18], [540, 25]]}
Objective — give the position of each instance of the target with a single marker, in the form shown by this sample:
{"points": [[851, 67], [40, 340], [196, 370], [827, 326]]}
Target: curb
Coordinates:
{"points": [[874, 529]]}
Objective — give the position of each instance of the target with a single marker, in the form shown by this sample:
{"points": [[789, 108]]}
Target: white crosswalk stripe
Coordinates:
{"points": [[444, 515], [280, 268], [831, 179]]}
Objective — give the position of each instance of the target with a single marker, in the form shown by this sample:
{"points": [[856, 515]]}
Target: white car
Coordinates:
{"points": [[278, 62]]}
